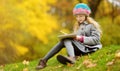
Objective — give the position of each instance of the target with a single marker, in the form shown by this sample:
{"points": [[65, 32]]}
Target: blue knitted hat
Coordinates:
{"points": [[81, 8]]}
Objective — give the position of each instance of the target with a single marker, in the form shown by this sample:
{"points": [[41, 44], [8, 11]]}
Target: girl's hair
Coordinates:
{"points": [[89, 20]]}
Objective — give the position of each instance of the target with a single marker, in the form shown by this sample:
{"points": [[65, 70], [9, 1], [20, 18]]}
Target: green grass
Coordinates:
{"points": [[100, 57]]}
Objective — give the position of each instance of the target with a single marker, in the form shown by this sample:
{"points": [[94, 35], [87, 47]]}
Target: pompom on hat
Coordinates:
{"points": [[81, 8]]}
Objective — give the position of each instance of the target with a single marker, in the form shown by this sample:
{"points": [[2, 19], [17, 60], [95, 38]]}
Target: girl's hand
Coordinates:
{"points": [[78, 37]]}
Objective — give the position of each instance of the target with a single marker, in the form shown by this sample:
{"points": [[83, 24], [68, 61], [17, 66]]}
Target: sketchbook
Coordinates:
{"points": [[64, 36]]}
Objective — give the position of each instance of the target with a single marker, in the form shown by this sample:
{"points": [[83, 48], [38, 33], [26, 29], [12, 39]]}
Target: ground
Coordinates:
{"points": [[105, 59]]}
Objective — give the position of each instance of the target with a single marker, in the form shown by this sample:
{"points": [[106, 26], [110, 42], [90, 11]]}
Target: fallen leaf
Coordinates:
{"points": [[117, 55], [69, 64], [110, 63], [86, 62], [25, 62], [25, 69], [89, 64]]}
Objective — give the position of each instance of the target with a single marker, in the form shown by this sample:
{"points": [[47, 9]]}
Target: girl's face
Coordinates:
{"points": [[80, 18]]}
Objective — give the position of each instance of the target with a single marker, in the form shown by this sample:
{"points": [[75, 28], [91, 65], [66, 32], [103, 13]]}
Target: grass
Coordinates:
{"points": [[100, 58]]}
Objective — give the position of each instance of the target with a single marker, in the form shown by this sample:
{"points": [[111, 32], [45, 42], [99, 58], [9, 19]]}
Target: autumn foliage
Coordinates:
{"points": [[28, 27], [22, 23]]}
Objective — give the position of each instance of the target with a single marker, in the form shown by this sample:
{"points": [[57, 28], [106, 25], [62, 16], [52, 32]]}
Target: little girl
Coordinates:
{"points": [[87, 37]]}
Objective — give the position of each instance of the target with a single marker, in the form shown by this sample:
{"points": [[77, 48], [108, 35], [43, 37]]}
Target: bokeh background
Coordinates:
{"points": [[29, 28]]}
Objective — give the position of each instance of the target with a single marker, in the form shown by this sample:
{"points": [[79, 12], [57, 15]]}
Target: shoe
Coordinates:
{"points": [[65, 60], [41, 64]]}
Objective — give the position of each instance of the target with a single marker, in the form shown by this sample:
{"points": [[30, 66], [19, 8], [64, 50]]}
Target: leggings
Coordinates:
{"points": [[67, 43]]}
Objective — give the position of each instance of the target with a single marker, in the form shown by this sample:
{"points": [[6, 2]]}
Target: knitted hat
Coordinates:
{"points": [[81, 8]]}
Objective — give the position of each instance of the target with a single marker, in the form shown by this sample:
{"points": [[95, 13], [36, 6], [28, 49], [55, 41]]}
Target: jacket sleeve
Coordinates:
{"points": [[94, 37]]}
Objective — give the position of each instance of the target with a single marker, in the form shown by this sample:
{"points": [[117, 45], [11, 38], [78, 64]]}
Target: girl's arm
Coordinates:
{"points": [[94, 38]]}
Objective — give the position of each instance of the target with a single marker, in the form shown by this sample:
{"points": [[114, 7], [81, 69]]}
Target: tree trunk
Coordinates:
{"points": [[93, 4]]}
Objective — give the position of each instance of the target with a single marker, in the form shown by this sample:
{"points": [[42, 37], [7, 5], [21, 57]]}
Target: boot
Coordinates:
{"points": [[65, 60], [72, 59], [41, 64]]}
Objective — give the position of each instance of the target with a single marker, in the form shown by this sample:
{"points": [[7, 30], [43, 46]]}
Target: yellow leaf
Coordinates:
{"points": [[25, 62], [25, 69], [117, 55]]}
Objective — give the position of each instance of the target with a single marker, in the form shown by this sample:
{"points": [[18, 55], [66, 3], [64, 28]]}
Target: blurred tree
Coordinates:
{"points": [[22, 24], [115, 8], [63, 11]]}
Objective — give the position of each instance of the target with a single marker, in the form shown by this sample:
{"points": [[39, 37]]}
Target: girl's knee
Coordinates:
{"points": [[67, 40]]}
